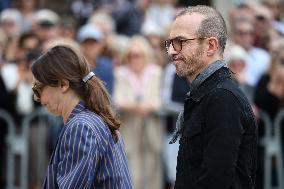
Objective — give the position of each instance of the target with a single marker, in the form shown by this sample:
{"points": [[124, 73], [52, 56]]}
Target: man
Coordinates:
{"points": [[218, 129], [90, 38]]}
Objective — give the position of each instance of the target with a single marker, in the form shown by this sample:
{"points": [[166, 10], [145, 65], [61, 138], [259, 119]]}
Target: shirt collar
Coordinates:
{"points": [[77, 109]]}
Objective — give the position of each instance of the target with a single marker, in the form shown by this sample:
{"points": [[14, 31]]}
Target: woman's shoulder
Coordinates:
{"points": [[93, 121]]}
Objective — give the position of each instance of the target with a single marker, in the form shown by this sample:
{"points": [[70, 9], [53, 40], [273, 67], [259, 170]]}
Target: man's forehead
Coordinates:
{"points": [[186, 25]]}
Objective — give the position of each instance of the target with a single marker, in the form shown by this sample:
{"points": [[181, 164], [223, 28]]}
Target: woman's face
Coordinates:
{"points": [[136, 54], [136, 58], [49, 97]]}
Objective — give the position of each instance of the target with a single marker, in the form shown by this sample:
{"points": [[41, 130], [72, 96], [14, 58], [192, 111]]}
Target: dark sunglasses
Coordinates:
{"points": [[178, 42], [37, 89]]}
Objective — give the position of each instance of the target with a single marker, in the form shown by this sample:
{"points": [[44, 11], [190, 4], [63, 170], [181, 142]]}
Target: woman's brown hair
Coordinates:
{"points": [[64, 62]]}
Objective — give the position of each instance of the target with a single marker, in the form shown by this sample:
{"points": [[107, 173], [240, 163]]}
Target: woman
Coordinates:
{"points": [[269, 97], [269, 92], [137, 96], [89, 152]]}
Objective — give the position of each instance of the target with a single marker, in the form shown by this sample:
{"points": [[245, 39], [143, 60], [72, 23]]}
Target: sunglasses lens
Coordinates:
{"points": [[177, 44], [36, 90]]}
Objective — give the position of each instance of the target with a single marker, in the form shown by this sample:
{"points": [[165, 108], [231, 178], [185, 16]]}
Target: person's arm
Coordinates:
{"points": [[79, 151], [222, 137]]}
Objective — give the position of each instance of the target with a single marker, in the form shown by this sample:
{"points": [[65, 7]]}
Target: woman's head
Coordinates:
{"points": [[138, 49], [63, 68], [61, 63]]}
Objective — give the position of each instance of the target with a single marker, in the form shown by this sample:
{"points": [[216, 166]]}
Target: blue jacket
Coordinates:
{"points": [[104, 71]]}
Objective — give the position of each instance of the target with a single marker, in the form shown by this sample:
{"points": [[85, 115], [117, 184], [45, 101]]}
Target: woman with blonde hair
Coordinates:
{"points": [[137, 97]]}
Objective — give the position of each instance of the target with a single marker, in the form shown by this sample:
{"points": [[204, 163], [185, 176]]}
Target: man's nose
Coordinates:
{"points": [[171, 51]]}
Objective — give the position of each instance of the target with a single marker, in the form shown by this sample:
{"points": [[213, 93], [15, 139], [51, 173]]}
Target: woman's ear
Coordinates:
{"points": [[64, 85]]}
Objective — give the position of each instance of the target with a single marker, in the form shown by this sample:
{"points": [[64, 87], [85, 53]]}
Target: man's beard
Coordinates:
{"points": [[191, 65]]}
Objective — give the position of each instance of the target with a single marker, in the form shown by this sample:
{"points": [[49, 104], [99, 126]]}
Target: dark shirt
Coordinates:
{"points": [[264, 100], [219, 136], [128, 20]]}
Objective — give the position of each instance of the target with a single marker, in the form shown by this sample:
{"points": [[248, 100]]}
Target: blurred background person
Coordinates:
{"points": [[130, 18], [106, 24], [27, 8], [137, 98], [235, 57], [91, 39], [27, 50], [242, 33], [275, 7], [262, 26], [67, 27], [46, 24], [11, 22], [269, 90], [158, 8], [156, 36], [268, 97], [82, 10]]}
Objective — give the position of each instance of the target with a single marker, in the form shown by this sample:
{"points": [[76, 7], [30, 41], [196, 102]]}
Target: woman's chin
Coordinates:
{"points": [[53, 112]]}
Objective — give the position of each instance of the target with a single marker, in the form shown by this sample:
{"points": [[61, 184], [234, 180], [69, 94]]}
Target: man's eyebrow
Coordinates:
{"points": [[178, 37]]}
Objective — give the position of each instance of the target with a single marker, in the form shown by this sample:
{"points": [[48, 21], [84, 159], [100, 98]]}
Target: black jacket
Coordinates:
{"points": [[219, 137]]}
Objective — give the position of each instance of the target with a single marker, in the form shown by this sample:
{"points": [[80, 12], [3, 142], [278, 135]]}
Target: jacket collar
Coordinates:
{"points": [[208, 80], [207, 72]]}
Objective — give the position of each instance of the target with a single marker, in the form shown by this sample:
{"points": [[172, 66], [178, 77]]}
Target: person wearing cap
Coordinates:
{"points": [[91, 39], [11, 20], [90, 150], [46, 24]]}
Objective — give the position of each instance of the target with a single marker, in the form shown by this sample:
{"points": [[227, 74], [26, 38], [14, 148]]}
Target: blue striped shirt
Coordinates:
{"points": [[86, 155]]}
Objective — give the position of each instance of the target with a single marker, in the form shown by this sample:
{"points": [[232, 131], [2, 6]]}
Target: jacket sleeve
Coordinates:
{"points": [[222, 136], [78, 161]]}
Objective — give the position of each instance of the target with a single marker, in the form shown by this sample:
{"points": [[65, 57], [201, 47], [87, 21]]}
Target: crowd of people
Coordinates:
{"points": [[123, 43]]}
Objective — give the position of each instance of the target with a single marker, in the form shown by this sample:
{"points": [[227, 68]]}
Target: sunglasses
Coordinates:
{"points": [[37, 89], [178, 43]]}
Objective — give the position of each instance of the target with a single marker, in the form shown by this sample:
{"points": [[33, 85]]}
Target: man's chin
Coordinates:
{"points": [[180, 73]]}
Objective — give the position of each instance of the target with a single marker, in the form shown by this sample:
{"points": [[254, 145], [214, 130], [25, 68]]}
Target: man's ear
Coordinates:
{"points": [[64, 85], [212, 46]]}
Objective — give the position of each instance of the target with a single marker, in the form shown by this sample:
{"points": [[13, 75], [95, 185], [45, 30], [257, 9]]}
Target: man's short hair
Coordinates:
{"points": [[213, 25]]}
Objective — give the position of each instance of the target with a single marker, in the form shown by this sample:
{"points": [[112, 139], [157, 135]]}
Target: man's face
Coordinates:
{"points": [[189, 61]]}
